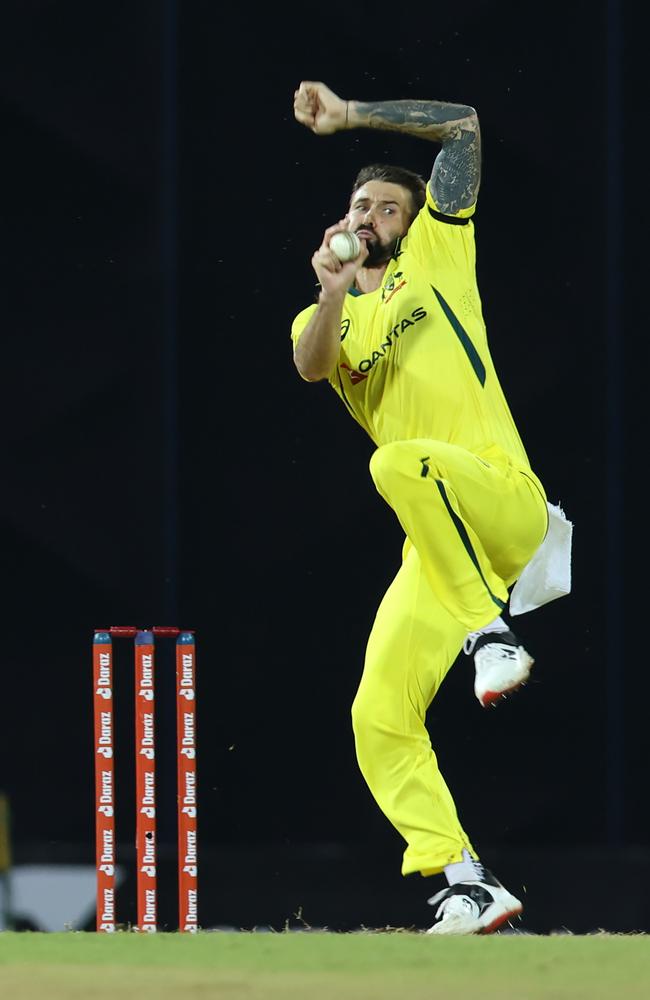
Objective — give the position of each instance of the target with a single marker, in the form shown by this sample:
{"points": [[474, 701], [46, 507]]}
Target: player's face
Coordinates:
{"points": [[379, 213]]}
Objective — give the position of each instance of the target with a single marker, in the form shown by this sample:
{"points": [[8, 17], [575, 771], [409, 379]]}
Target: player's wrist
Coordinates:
{"points": [[332, 298], [350, 115]]}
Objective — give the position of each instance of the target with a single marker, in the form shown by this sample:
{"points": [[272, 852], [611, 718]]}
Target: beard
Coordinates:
{"points": [[379, 253]]}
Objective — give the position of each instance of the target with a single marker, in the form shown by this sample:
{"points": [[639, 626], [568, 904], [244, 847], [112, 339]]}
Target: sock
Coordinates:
{"points": [[467, 870], [498, 625]]}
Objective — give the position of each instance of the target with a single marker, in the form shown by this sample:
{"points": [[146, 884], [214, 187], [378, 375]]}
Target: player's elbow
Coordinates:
{"points": [[307, 371]]}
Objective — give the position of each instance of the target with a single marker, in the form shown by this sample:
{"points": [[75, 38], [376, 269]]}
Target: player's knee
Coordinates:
{"points": [[386, 465], [364, 717], [367, 735], [416, 459], [387, 735], [359, 713], [375, 720]]}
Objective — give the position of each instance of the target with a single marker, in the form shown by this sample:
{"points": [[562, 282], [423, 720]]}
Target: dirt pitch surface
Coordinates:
{"points": [[320, 966]]}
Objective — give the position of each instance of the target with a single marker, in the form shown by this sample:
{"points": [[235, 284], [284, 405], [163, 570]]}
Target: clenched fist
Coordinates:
{"points": [[334, 276], [318, 107]]}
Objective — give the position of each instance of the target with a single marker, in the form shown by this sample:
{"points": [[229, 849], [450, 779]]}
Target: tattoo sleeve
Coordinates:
{"points": [[456, 173]]}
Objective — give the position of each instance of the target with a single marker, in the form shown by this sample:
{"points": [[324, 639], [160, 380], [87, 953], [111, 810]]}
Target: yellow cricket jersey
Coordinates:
{"points": [[414, 360]]}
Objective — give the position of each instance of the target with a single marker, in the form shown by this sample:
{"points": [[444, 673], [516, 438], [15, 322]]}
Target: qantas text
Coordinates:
{"points": [[399, 328]]}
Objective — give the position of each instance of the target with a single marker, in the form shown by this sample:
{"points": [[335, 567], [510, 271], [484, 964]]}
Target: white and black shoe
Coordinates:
{"points": [[473, 907], [502, 664]]}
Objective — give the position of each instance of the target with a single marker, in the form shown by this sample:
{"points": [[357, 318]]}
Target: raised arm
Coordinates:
{"points": [[456, 173]]}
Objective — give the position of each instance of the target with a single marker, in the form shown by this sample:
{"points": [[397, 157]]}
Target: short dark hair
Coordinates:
{"points": [[395, 175]]}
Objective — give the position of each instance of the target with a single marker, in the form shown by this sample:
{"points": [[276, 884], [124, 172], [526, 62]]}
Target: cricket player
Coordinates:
{"points": [[398, 332]]}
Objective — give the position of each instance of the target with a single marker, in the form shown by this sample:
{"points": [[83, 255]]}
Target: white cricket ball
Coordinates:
{"points": [[346, 246]]}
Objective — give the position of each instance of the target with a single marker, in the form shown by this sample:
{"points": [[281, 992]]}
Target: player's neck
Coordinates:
{"points": [[370, 278]]}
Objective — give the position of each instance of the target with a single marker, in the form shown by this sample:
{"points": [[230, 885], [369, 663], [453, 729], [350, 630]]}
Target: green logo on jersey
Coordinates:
{"points": [[393, 284]]}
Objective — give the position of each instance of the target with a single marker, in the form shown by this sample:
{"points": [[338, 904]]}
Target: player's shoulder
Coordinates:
{"points": [[306, 313], [433, 232], [351, 299]]}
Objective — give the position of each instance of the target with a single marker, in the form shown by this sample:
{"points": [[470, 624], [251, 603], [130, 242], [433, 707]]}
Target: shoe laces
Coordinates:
{"points": [[495, 653], [457, 906], [479, 869], [481, 873], [470, 642], [472, 637]]}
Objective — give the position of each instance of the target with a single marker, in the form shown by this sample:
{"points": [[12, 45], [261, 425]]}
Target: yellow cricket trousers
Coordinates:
{"points": [[472, 522]]}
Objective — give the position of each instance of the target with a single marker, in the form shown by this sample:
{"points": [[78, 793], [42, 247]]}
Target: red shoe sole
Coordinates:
{"points": [[490, 697], [501, 920]]}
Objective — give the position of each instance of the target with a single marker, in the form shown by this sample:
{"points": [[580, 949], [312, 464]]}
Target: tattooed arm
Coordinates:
{"points": [[456, 171], [457, 167]]}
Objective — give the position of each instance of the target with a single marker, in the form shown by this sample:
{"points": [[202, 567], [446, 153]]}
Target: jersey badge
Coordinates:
{"points": [[392, 287]]}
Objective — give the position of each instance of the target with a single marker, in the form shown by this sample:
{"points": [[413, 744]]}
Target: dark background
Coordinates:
{"points": [[163, 461]]}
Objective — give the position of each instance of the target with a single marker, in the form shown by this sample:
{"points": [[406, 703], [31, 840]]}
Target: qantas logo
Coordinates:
{"points": [[355, 376], [360, 374]]}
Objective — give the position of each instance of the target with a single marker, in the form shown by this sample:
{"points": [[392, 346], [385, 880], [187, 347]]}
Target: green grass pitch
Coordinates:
{"points": [[322, 966]]}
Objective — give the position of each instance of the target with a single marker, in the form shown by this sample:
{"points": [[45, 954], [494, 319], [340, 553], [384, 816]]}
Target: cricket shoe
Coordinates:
{"points": [[502, 664], [473, 907]]}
